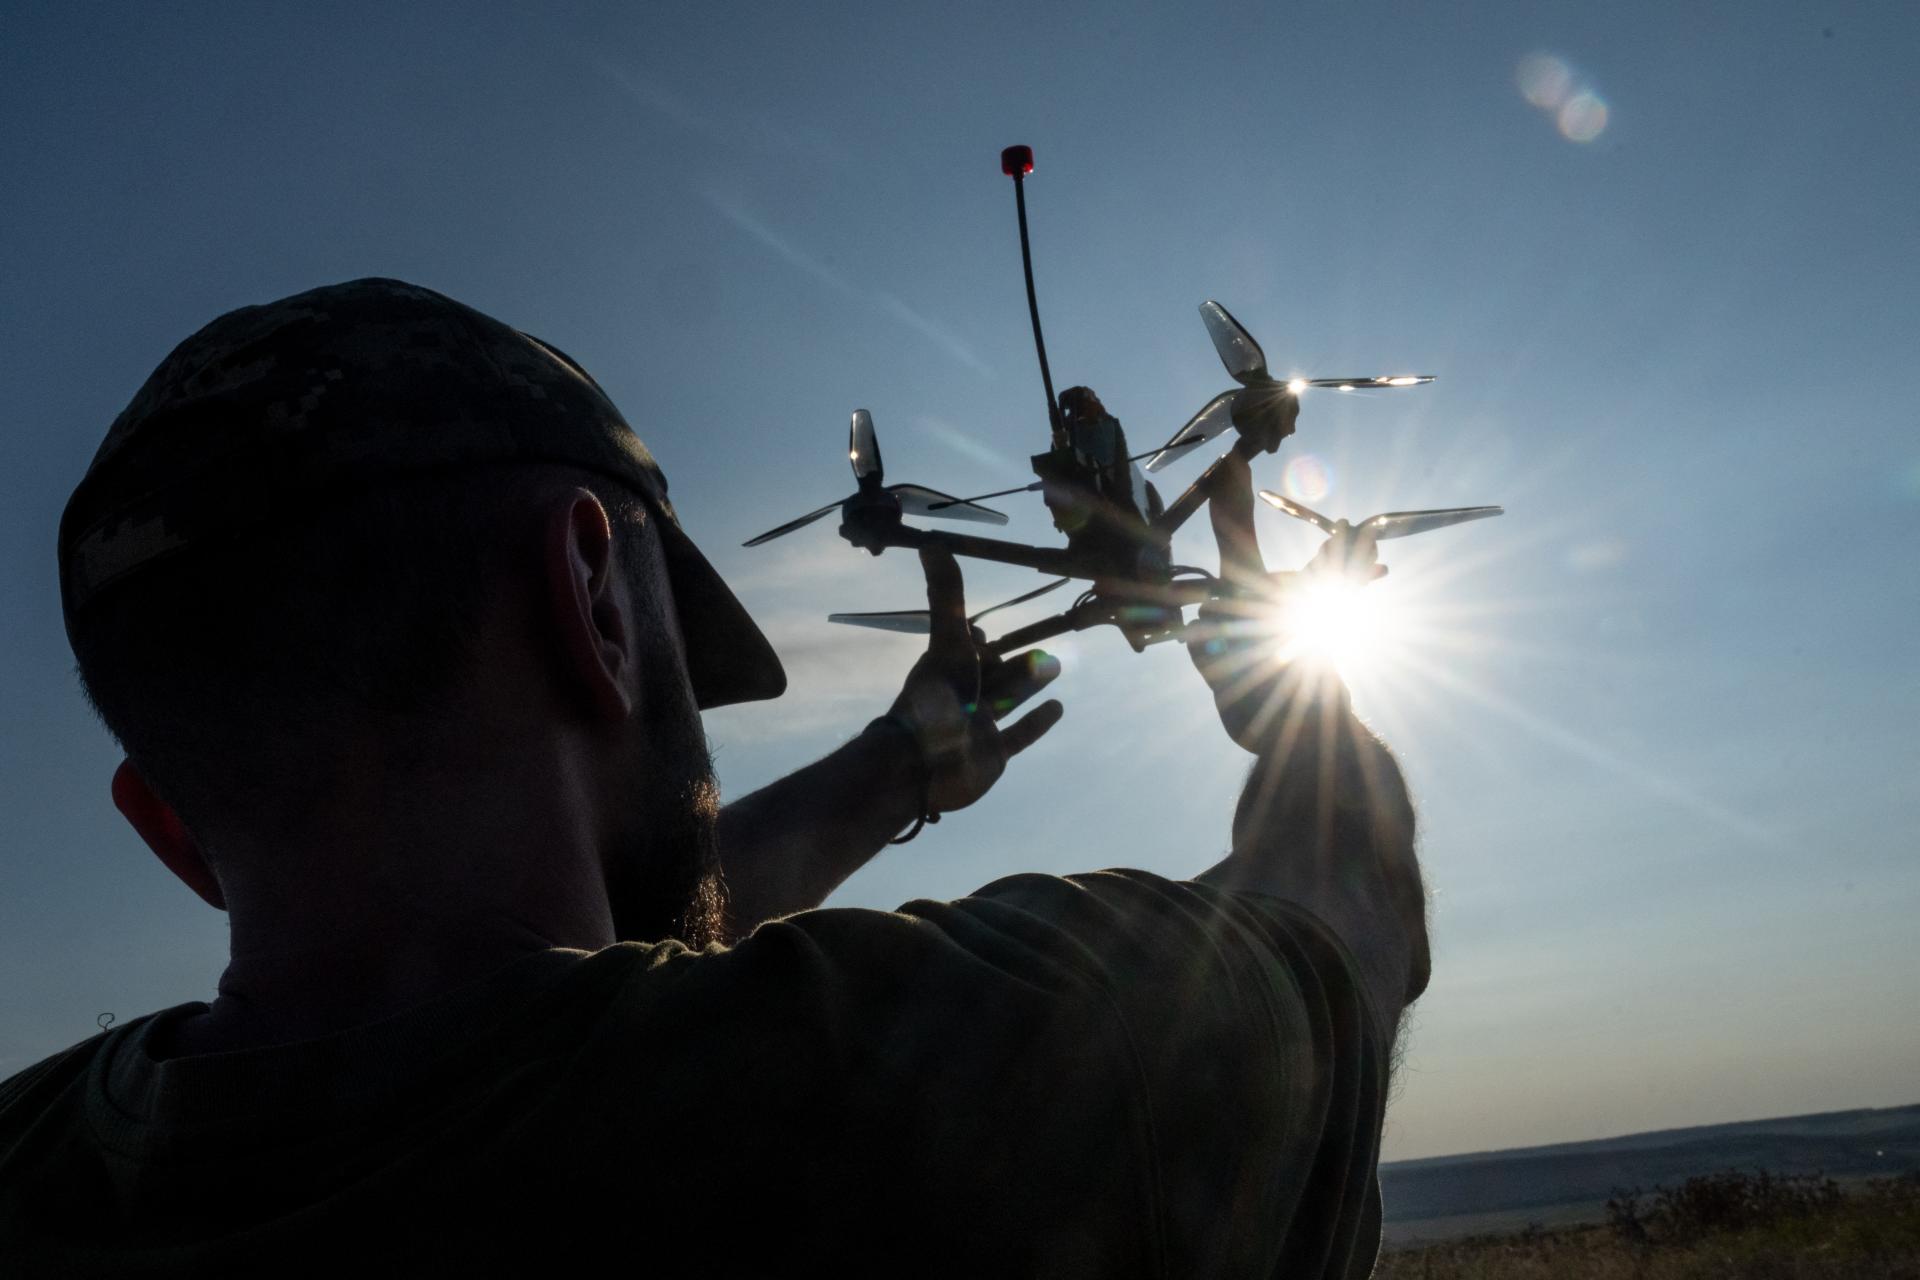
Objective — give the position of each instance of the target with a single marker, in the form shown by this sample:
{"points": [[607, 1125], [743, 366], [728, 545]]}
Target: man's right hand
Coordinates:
{"points": [[1237, 643], [1325, 820]]}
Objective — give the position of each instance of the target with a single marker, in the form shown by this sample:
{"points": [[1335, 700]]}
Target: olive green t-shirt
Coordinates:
{"points": [[1105, 1075]]}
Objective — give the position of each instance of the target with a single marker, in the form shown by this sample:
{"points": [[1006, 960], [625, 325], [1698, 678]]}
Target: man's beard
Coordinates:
{"points": [[665, 882], [675, 889]]}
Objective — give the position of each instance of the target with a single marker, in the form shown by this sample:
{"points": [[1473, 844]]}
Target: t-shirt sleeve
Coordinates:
{"points": [[1107, 1074]]}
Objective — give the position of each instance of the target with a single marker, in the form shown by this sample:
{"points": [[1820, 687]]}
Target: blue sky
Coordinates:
{"points": [[1658, 718]]}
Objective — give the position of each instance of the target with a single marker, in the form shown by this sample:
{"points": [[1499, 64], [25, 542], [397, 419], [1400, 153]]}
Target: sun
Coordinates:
{"points": [[1312, 631], [1351, 626]]}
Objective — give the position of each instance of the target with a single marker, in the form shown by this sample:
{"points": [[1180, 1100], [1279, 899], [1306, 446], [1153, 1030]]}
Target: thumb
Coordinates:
{"points": [[1230, 509]]}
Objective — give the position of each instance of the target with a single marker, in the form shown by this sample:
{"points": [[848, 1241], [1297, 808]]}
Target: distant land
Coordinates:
{"points": [[1446, 1197]]}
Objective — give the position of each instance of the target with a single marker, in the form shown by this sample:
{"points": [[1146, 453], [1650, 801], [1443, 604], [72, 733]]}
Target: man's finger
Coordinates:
{"points": [[1012, 681], [1230, 508], [946, 603], [1026, 731]]}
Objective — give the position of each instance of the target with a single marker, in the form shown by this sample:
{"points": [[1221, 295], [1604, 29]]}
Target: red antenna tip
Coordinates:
{"points": [[1016, 162]]}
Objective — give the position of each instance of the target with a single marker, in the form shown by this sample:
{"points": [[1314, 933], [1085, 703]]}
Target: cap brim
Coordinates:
{"points": [[728, 658]]}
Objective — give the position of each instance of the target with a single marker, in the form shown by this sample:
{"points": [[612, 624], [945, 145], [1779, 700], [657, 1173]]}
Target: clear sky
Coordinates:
{"points": [[1659, 718]]}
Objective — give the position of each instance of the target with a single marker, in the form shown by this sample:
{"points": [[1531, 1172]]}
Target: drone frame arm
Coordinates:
{"points": [[1057, 562], [1195, 496], [1103, 608], [1078, 618]]}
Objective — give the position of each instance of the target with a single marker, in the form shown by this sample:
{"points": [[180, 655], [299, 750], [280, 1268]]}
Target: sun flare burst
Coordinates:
{"points": [[1346, 624], [1380, 638]]}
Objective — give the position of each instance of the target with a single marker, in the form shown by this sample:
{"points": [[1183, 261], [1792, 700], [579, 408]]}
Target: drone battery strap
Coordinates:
{"points": [[926, 813]]}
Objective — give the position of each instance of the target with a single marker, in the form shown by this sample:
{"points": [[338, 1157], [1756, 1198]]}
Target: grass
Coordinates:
{"points": [[1727, 1226]]}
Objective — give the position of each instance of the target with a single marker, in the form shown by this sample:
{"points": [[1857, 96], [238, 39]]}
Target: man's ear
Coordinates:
{"points": [[586, 606], [165, 834]]}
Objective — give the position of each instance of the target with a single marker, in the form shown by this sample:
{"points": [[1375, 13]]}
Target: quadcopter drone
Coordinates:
{"points": [[1118, 531]]}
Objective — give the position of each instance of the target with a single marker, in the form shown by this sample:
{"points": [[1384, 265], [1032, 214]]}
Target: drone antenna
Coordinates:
{"points": [[1017, 163]]}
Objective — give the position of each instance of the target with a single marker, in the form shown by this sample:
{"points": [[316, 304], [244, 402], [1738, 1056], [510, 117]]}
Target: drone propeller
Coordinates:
{"points": [[791, 525], [1388, 524], [1400, 524], [1246, 363], [919, 621], [863, 448], [1298, 511], [863, 452], [1214, 417], [918, 500]]}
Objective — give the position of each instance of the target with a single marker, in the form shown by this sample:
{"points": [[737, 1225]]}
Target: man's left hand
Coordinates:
{"points": [[953, 698]]}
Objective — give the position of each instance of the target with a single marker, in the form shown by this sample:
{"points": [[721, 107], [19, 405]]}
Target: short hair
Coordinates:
{"points": [[222, 671]]}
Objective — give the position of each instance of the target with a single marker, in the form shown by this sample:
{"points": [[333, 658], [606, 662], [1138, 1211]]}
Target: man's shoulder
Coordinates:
{"points": [[52, 1087], [51, 1074]]}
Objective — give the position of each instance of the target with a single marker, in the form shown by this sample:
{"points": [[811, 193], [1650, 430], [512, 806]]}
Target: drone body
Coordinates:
{"points": [[1118, 530]]}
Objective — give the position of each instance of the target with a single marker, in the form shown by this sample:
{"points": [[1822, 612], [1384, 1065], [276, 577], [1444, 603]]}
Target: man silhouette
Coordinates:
{"points": [[406, 649]]}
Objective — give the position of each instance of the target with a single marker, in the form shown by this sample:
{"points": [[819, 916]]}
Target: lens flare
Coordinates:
{"points": [[1550, 83], [1307, 479], [1545, 81], [1584, 117]]}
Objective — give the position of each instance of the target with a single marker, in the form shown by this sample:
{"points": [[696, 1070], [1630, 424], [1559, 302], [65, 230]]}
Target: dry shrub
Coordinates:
{"points": [[1724, 1227], [1730, 1201]]}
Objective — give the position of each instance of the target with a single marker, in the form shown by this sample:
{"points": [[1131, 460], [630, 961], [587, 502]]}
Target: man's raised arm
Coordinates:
{"points": [[785, 847], [1325, 820]]}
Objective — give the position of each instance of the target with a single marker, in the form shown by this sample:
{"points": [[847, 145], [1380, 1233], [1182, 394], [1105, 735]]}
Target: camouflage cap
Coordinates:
{"points": [[271, 410]]}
